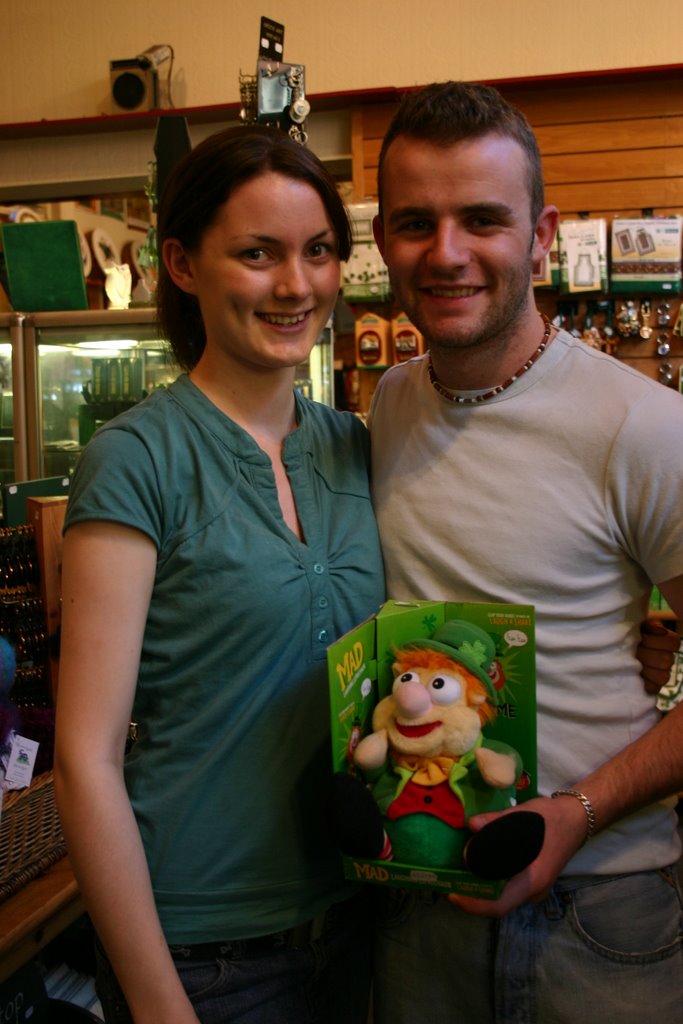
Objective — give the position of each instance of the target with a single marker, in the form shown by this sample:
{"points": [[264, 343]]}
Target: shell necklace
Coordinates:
{"points": [[492, 392]]}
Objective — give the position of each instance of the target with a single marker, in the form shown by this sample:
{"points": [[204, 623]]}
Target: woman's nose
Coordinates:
{"points": [[293, 281]]}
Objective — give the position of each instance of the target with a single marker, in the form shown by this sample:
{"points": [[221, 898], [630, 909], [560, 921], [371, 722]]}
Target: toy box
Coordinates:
{"points": [[360, 674]]}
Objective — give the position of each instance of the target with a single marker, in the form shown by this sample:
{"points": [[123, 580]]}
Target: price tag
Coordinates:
{"points": [[21, 762]]}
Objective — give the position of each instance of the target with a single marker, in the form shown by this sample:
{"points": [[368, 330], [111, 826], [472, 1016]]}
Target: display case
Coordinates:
{"points": [[13, 450], [83, 368]]}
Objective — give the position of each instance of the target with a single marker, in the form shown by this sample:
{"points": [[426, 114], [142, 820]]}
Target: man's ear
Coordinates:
{"points": [[178, 265], [378, 232], [544, 232]]}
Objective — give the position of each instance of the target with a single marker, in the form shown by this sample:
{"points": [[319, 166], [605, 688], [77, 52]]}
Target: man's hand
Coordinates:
{"points": [[656, 651], [565, 830]]}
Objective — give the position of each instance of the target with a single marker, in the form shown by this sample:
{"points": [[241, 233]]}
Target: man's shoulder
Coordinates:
{"points": [[396, 386], [402, 374], [604, 369]]}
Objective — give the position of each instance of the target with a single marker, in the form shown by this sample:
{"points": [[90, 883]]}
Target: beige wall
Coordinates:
{"points": [[54, 54]]}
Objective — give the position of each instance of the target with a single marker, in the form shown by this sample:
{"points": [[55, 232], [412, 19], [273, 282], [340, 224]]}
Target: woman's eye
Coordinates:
{"points": [[444, 689], [320, 249], [255, 255]]}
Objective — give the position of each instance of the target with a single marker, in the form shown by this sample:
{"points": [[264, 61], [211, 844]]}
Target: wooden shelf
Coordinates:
{"points": [[146, 119], [36, 915]]}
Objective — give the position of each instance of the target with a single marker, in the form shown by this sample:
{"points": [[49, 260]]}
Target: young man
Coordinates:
{"points": [[515, 463]]}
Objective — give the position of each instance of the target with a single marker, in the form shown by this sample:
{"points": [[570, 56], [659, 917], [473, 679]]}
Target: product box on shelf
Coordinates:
{"points": [[646, 254], [360, 675], [583, 255], [406, 340], [373, 342]]}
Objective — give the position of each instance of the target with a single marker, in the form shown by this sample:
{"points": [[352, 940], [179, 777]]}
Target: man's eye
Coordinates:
{"points": [[482, 223], [414, 226]]}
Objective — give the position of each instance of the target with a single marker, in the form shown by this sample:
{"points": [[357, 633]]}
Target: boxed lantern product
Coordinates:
{"points": [[583, 255], [406, 340], [373, 341], [497, 641], [646, 254]]}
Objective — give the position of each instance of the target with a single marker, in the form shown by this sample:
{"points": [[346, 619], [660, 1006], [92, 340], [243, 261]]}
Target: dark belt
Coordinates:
{"points": [[239, 949]]}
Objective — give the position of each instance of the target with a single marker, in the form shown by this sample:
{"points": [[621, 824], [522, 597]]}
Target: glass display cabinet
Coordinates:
{"points": [[82, 369]]}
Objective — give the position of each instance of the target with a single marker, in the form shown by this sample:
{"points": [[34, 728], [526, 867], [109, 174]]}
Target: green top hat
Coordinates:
{"points": [[469, 646]]}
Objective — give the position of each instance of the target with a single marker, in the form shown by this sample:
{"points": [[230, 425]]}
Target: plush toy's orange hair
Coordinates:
{"points": [[426, 657]]}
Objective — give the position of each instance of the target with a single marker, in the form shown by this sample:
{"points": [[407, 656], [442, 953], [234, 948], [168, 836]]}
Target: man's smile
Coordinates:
{"points": [[453, 293]]}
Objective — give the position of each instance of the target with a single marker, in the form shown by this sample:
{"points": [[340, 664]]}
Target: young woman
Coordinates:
{"points": [[218, 537]]}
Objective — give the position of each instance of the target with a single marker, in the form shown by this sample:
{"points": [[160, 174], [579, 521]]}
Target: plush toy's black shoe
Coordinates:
{"points": [[354, 817], [505, 846]]}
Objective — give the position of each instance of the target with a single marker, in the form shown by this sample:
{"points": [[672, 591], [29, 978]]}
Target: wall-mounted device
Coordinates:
{"points": [[135, 82], [276, 95]]}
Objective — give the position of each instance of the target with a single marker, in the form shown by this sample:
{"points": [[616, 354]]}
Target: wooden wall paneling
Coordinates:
{"points": [[656, 194], [612, 133], [368, 125], [610, 165], [617, 99], [593, 136], [358, 162]]}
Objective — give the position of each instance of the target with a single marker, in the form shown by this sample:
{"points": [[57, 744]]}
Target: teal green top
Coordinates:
{"points": [[228, 775]]}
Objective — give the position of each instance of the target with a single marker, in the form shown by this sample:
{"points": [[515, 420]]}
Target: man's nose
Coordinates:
{"points": [[449, 247]]}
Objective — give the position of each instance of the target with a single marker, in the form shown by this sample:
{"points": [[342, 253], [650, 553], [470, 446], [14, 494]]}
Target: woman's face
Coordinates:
{"points": [[266, 274]]}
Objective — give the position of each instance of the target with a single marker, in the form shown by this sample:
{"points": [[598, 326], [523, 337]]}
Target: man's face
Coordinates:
{"points": [[457, 237]]}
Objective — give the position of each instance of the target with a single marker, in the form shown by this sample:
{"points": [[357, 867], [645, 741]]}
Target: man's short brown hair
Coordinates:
{"points": [[448, 112]]}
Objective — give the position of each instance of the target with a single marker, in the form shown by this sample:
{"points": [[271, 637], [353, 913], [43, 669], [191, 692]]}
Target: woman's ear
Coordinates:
{"points": [[178, 265]]}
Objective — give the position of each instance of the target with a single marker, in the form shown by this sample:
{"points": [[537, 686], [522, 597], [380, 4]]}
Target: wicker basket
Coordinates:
{"points": [[30, 834]]}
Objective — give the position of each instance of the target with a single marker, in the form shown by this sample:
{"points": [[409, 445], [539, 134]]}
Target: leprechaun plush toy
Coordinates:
{"points": [[429, 767]]}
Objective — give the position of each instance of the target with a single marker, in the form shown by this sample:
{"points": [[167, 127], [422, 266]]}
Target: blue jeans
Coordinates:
{"points": [[325, 981], [597, 950]]}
